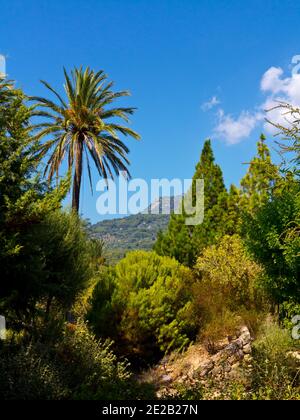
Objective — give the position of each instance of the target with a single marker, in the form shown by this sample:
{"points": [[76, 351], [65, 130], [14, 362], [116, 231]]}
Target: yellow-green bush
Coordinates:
{"points": [[227, 291]]}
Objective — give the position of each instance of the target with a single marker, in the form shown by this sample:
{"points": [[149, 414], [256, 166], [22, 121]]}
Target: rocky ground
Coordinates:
{"points": [[231, 362]]}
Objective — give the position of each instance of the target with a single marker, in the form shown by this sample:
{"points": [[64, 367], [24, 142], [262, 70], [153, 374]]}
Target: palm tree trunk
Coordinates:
{"points": [[77, 175]]}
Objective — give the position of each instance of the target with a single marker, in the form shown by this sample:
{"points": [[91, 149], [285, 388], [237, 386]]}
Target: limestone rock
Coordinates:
{"points": [[204, 369], [166, 378], [245, 336], [218, 370], [247, 349], [294, 355], [248, 358]]}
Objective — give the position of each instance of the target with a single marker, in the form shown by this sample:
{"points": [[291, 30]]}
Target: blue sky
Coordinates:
{"points": [[174, 56]]}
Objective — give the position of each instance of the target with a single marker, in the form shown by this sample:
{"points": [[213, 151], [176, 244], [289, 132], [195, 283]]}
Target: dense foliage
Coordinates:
{"points": [[72, 365], [273, 236], [146, 299], [43, 253], [226, 270]]}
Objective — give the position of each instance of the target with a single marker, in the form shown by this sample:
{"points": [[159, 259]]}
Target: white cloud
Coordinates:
{"points": [[273, 83], [276, 88], [2, 65], [214, 101], [279, 89], [233, 130]]}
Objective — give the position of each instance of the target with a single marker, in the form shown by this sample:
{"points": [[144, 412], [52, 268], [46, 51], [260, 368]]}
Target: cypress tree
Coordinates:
{"points": [[260, 180], [212, 174], [184, 242]]}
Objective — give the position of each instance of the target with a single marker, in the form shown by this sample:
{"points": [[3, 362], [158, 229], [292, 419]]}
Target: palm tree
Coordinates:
{"points": [[84, 126]]}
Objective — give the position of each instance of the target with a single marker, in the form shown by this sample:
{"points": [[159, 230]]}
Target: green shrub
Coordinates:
{"points": [[148, 298], [217, 328], [74, 366], [52, 266], [90, 368], [101, 313], [26, 374], [275, 372]]}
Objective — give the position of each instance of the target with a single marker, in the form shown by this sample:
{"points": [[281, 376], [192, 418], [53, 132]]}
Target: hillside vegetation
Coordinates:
{"points": [[79, 327], [129, 233]]}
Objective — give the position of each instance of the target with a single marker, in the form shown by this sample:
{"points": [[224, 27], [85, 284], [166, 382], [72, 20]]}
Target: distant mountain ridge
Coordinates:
{"points": [[164, 205], [137, 231]]}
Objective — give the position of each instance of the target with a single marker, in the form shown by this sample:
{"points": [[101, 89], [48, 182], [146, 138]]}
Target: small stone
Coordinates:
{"points": [[166, 378], [205, 368], [244, 330], [227, 368], [219, 358], [235, 366], [232, 348], [217, 371], [239, 342], [247, 349], [235, 373], [294, 355], [240, 354], [248, 358], [233, 359], [245, 337]]}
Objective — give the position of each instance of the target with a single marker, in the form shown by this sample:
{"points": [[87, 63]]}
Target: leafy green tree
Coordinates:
{"points": [[273, 235], [270, 222], [84, 126]]}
